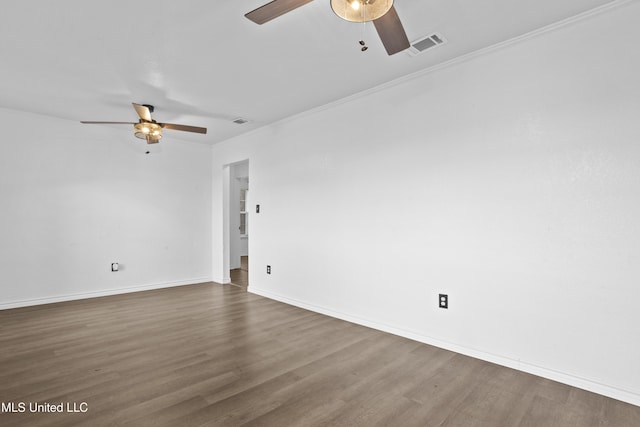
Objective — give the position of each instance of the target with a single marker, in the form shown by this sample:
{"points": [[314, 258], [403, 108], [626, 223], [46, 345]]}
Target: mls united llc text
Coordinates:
{"points": [[20, 407]]}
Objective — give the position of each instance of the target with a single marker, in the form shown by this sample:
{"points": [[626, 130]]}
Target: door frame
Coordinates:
{"points": [[227, 177]]}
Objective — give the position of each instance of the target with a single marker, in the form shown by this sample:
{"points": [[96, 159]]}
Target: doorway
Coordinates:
{"points": [[239, 224]]}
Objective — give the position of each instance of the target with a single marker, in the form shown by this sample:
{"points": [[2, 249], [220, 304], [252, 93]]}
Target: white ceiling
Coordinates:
{"points": [[202, 63]]}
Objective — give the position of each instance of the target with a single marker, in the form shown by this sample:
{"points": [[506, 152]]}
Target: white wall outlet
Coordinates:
{"points": [[443, 300]]}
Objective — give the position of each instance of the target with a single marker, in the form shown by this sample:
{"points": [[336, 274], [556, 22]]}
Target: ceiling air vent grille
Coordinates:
{"points": [[425, 43]]}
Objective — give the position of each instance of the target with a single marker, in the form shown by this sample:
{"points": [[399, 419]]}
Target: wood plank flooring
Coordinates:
{"points": [[240, 276], [214, 355]]}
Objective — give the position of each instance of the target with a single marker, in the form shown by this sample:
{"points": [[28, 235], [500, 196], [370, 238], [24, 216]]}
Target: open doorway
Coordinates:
{"points": [[239, 224]]}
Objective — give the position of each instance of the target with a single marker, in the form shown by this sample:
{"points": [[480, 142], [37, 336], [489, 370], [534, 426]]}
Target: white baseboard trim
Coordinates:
{"points": [[101, 293], [572, 380]]}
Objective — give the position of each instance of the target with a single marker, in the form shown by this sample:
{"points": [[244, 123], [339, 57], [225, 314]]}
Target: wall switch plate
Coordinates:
{"points": [[114, 266], [268, 269], [443, 301], [257, 208]]}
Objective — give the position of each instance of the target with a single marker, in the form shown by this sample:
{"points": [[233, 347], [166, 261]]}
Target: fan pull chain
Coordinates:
{"points": [[361, 42]]}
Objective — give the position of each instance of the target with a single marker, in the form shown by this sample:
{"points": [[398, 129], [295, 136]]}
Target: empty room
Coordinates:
{"points": [[320, 213]]}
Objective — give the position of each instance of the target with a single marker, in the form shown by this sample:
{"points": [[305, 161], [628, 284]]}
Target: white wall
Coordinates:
{"points": [[76, 198], [509, 180]]}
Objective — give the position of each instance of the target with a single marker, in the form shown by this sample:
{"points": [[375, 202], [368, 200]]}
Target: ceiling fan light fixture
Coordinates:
{"points": [[361, 10], [149, 131]]}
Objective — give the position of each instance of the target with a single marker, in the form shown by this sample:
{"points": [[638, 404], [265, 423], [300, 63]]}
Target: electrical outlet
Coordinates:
{"points": [[257, 208], [268, 269], [443, 301], [114, 266]]}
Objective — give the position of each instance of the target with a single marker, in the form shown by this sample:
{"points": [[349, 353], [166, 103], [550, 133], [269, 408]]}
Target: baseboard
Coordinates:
{"points": [[572, 380], [101, 293]]}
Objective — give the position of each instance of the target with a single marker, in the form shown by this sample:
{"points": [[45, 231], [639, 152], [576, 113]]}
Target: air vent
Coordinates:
{"points": [[426, 43], [240, 121]]}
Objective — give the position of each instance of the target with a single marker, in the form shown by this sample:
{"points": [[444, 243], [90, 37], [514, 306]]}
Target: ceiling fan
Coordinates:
{"points": [[147, 128], [381, 12]]}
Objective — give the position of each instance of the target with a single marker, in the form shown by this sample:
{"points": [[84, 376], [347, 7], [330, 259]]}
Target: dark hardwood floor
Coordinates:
{"points": [[214, 355]]}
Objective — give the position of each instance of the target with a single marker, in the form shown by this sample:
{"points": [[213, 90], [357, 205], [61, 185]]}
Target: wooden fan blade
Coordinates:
{"points": [[274, 9], [391, 32], [185, 128], [143, 111], [107, 123]]}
